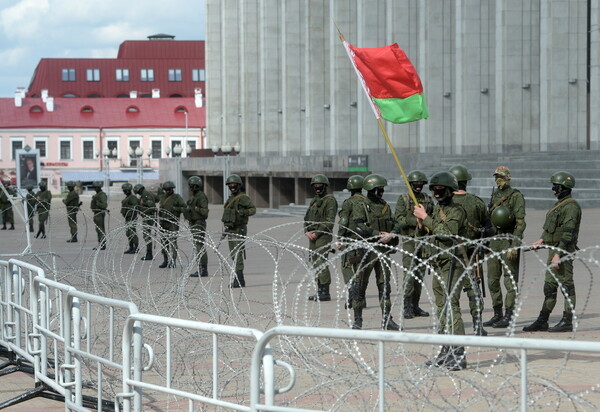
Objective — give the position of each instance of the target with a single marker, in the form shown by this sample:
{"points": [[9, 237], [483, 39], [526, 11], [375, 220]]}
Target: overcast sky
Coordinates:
{"points": [[35, 29]]}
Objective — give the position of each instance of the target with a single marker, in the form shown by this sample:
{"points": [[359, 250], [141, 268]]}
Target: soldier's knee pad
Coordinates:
{"points": [[550, 291]]}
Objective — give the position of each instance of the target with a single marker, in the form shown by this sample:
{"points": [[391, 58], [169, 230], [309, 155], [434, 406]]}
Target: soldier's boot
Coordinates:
{"points": [[358, 320], [39, 232], [195, 274], [12, 226], [497, 316], [238, 280], [478, 327], [172, 261], [440, 359], [409, 311], [4, 227], [322, 294], [505, 321], [540, 324], [135, 248], [31, 227], [165, 262], [43, 236], [456, 359], [387, 323], [565, 324], [73, 239], [203, 271], [148, 255], [129, 250], [417, 310]]}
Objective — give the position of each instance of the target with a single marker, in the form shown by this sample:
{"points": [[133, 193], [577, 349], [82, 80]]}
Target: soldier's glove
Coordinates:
{"points": [[224, 234], [512, 254]]}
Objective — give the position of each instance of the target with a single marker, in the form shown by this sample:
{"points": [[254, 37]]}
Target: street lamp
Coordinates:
{"points": [[138, 153], [226, 151], [106, 152]]}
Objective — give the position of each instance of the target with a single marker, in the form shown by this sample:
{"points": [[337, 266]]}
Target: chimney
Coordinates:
{"points": [[18, 99], [198, 97], [50, 104], [133, 94], [44, 95], [155, 93]]}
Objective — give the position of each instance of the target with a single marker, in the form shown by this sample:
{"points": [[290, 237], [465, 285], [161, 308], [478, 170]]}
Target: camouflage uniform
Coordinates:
{"points": [[129, 210], [196, 214], [72, 203], [44, 199], [170, 208], [6, 207], [236, 211], [31, 204], [147, 208], [319, 220], [506, 263], [347, 230], [99, 206]]}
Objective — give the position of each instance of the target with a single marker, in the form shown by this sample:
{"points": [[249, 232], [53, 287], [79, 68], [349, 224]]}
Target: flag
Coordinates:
{"points": [[390, 81]]}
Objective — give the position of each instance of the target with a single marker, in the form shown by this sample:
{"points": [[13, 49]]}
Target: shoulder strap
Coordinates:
{"points": [[232, 201], [561, 203], [504, 198]]}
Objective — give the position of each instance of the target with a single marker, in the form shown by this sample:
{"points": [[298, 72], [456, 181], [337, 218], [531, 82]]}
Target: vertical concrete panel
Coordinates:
{"points": [[595, 75]]}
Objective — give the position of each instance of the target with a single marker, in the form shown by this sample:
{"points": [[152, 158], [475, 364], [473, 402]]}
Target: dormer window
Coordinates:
{"points": [[87, 109], [133, 109], [36, 109], [180, 109]]}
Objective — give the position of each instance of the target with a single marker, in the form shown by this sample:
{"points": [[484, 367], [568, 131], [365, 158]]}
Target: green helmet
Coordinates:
{"points": [[234, 179], [138, 188], [319, 179], [502, 171], [195, 181], [43, 183], [355, 182], [98, 184], [373, 181], [29, 188], [168, 185], [502, 217], [565, 179], [444, 179], [126, 186], [70, 183], [417, 176], [461, 173]]}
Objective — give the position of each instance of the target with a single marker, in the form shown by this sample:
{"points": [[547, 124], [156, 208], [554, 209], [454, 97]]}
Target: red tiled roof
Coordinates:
{"points": [[159, 55], [107, 113]]}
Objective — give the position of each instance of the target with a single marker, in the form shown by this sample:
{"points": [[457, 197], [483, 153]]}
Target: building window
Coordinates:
{"points": [[113, 146], [174, 75], [133, 144], [15, 145], [88, 150], [198, 75], [65, 150], [192, 144], [147, 75], [68, 75], [36, 109], [132, 109], [122, 75], [93, 75], [41, 145], [156, 149], [173, 144]]}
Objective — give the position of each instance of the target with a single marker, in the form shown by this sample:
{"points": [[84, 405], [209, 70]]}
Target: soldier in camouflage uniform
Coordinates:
{"points": [[447, 221], [478, 226], [147, 208], [406, 225], [374, 223], [236, 211], [318, 227], [507, 263], [72, 203], [347, 232], [6, 206], [561, 230], [197, 213], [31, 204], [44, 199], [170, 208], [129, 210], [99, 206]]}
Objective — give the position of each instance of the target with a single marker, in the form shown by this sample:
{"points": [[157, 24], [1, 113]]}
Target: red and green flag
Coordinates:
{"points": [[390, 81]]}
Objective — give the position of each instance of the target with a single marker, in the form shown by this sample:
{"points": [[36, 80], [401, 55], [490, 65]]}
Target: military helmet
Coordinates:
{"points": [[502, 171], [444, 179], [461, 173], [98, 184], [416, 176], [168, 185], [29, 187], [319, 179], [234, 179], [195, 181], [70, 183], [565, 179], [43, 183], [373, 181], [355, 182], [126, 186], [138, 188], [502, 217]]}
